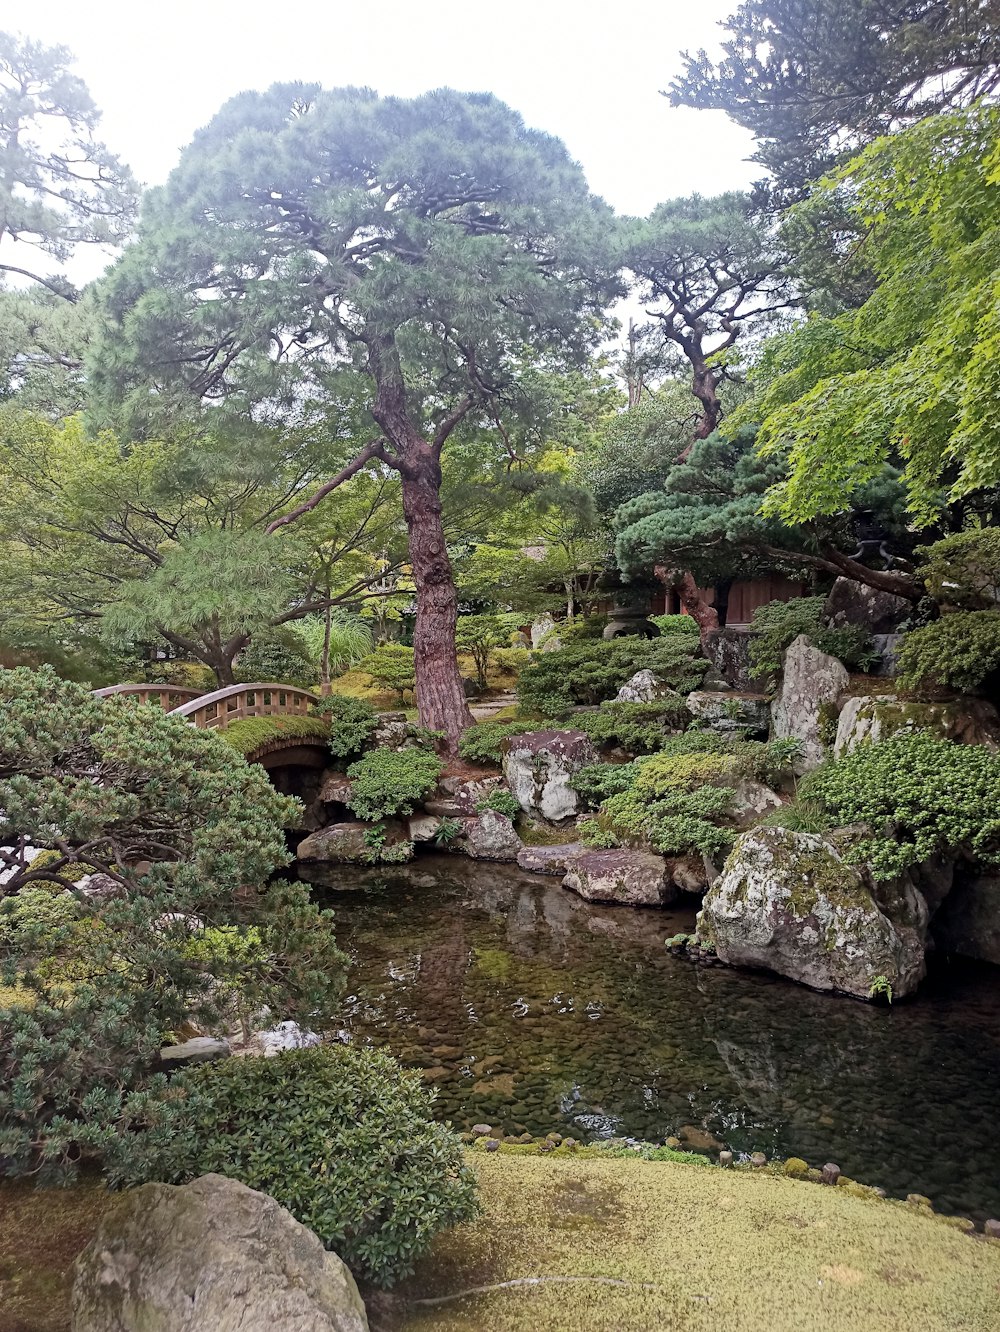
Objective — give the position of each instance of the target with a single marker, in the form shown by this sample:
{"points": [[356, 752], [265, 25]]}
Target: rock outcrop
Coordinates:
{"points": [[538, 766], [645, 687], [624, 876], [210, 1255], [730, 711], [788, 902], [489, 836], [549, 859], [812, 681], [967, 721], [346, 843], [851, 603]]}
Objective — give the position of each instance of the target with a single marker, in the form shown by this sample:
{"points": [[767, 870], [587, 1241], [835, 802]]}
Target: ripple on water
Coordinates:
{"points": [[532, 1009]]}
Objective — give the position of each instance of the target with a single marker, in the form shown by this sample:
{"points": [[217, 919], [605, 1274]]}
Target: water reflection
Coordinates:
{"points": [[531, 1009]]}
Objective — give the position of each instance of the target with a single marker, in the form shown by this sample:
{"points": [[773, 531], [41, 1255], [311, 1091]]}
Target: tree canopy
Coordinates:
{"points": [[815, 80], [60, 186], [910, 377], [419, 244]]}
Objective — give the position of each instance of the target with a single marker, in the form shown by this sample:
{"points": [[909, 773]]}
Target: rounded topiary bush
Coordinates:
{"points": [[342, 1137]]}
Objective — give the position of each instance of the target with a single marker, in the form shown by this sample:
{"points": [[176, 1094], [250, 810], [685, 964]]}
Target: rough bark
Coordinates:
{"points": [[706, 617], [441, 702]]}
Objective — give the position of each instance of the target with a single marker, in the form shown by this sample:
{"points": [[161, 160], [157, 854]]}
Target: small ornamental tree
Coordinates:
{"points": [[481, 635], [185, 837], [391, 665], [421, 243]]}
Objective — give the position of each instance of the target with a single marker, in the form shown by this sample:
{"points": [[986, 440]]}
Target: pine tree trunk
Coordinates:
{"points": [[441, 702], [705, 616]]}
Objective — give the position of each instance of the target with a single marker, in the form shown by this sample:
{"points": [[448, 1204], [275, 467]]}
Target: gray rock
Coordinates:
{"points": [[758, 1160], [344, 843], [422, 827], [490, 836], [727, 710], [392, 731], [810, 679], [874, 717], [729, 652], [198, 1050], [969, 921], [852, 603], [991, 1229], [623, 876], [542, 627], [538, 766], [211, 1256], [467, 795], [688, 874], [788, 902], [549, 859], [99, 888], [645, 687], [831, 1172], [335, 788], [752, 799], [284, 1036]]}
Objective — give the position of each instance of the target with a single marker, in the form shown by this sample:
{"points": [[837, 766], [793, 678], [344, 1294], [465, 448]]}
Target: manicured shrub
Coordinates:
{"points": [[596, 781], [920, 797], [388, 781], [341, 1137], [188, 832], [964, 569], [280, 655], [778, 623], [249, 734], [674, 624], [958, 651], [504, 802], [638, 728], [483, 743], [590, 672], [391, 667], [352, 722]]}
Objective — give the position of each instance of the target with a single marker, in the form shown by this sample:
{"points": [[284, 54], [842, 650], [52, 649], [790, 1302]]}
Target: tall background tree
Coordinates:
{"points": [[60, 186], [707, 272], [815, 80], [421, 243]]}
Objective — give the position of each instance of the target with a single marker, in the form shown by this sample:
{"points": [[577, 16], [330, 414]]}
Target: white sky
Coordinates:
{"points": [[587, 71]]}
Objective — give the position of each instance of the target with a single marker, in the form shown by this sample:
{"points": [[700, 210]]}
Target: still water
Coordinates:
{"points": [[531, 1009]]}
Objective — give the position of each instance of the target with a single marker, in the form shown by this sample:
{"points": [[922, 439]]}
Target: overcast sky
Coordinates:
{"points": [[587, 71]]}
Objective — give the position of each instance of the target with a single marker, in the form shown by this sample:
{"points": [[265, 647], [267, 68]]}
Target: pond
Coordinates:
{"points": [[532, 1010]]}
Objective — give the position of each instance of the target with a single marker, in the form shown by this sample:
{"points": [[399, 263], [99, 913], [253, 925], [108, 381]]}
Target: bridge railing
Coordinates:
{"points": [[225, 706], [168, 697]]}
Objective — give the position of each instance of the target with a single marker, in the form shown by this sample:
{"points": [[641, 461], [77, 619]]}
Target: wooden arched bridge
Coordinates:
{"points": [[222, 707]]}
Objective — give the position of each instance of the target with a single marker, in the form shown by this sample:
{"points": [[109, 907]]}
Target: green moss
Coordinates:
{"points": [[636, 1241], [251, 733], [494, 963], [796, 1168]]}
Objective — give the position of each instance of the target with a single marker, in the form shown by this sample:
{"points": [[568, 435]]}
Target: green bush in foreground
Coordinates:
{"points": [[504, 802], [341, 1137], [387, 781], [920, 797], [958, 651]]}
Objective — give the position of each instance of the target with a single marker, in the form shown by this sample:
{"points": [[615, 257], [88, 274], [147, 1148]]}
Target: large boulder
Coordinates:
{"points": [[645, 687], [489, 836], [729, 652], [543, 628], [969, 921], [392, 730], [622, 876], [968, 721], [348, 844], [788, 902], [730, 711], [211, 1256], [538, 766], [851, 603], [468, 794], [811, 684]]}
